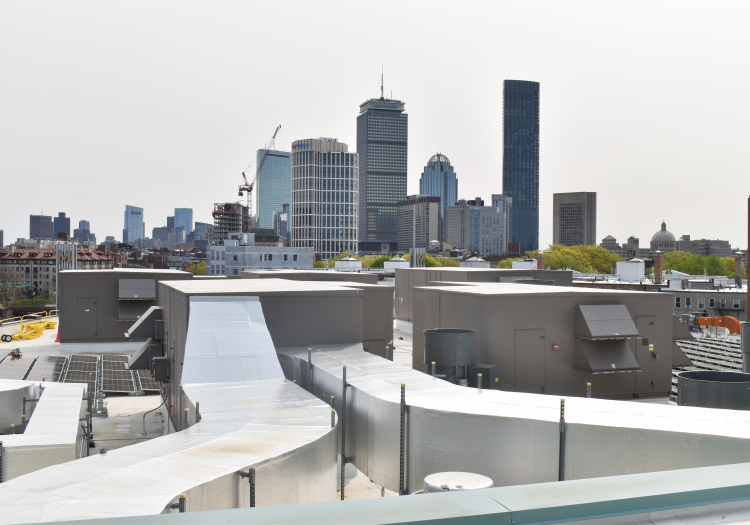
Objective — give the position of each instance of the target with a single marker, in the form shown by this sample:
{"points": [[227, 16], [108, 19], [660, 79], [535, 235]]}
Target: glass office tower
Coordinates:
{"points": [[521, 159], [134, 227], [184, 217], [274, 186], [439, 180], [324, 197], [382, 139], [61, 224]]}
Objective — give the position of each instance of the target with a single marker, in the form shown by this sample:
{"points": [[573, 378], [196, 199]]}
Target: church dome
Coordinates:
{"points": [[663, 236]]}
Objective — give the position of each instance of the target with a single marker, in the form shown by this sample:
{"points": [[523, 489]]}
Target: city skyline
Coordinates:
{"points": [[208, 147]]}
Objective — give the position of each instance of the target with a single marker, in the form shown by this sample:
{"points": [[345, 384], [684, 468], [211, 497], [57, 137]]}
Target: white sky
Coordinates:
{"points": [[163, 104]]}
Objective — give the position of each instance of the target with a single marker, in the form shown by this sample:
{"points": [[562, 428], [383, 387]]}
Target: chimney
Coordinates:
{"points": [[738, 270], [657, 267], [540, 262]]}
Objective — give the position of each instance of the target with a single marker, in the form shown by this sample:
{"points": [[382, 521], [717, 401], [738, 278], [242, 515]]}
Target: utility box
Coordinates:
{"points": [[490, 376], [161, 369]]}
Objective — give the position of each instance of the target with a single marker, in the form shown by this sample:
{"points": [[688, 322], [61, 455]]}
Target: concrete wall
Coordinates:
{"points": [[98, 292], [297, 314], [504, 320], [408, 278], [315, 275]]}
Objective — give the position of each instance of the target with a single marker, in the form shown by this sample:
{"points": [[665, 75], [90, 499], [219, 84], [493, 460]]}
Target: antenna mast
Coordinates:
{"points": [[381, 82]]}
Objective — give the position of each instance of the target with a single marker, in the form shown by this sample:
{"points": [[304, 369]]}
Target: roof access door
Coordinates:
{"points": [[87, 317], [530, 361]]}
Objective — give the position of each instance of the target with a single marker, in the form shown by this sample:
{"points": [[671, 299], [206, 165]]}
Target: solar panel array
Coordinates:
{"points": [[47, 367], [148, 383], [81, 368], [115, 375], [708, 354], [15, 368]]}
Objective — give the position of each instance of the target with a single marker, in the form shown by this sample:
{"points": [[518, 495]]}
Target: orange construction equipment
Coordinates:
{"points": [[726, 321]]}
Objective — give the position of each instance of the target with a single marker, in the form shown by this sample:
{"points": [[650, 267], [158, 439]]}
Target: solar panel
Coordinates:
{"points": [[117, 381], [148, 383], [79, 368], [48, 367], [114, 362], [15, 368]]}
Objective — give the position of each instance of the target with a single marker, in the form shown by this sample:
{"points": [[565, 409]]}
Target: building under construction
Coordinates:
{"points": [[230, 217]]}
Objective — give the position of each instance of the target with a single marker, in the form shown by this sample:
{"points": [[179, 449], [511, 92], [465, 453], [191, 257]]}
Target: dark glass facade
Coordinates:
{"points": [[382, 140], [521, 159]]}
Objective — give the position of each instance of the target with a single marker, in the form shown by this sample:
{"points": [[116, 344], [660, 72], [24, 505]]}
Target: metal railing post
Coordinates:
{"points": [[2, 454], [250, 475], [23, 423], [433, 369], [332, 398], [309, 370], [12, 429], [182, 396], [588, 389], [333, 418], [343, 434], [402, 442], [479, 383], [185, 419], [197, 411], [387, 352], [561, 473], [182, 506]]}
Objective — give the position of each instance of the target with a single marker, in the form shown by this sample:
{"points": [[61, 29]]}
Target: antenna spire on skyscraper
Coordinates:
{"points": [[381, 82]]}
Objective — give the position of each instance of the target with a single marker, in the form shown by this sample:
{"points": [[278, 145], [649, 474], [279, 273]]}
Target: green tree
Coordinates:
{"points": [[691, 264], [319, 264], [198, 269], [582, 259], [378, 262]]}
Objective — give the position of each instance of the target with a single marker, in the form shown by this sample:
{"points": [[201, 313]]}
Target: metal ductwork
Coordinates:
{"points": [[452, 350]]}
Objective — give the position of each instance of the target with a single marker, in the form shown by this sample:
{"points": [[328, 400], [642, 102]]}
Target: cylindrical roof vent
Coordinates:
{"points": [[450, 347], [714, 389], [450, 481]]}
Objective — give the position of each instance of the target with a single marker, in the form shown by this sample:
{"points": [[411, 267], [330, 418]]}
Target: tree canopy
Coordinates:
{"points": [[584, 259], [690, 264]]}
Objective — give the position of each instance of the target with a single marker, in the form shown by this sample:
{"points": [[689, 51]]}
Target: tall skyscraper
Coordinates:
{"points": [[521, 159], [61, 224], [574, 218], [1, 239], [184, 217], [84, 224], [325, 186], [273, 188], [134, 226], [40, 227], [505, 204], [382, 140], [439, 180]]}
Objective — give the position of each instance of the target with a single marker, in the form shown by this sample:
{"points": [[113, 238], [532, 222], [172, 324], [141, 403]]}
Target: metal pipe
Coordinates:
{"points": [[433, 369], [561, 472], [387, 352], [588, 389], [197, 411], [185, 419], [182, 396], [251, 480], [479, 383], [309, 370], [333, 418], [23, 423], [343, 434], [402, 442], [332, 398]]}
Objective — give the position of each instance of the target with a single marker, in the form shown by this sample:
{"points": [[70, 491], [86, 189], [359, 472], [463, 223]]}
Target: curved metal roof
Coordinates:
{"points": [[663, 235]]}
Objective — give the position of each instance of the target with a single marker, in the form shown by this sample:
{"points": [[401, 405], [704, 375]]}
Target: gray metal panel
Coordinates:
{"points": [[678, 357], [714, 389], [131, 310], [679, 330], [605, 321], [611, 355], [87, 317], [530, 374], [141, 360], [450, 346], [137, 289]]}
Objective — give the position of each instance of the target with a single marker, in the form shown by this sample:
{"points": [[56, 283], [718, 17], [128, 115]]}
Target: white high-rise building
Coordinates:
{"points": [[325, 197]]}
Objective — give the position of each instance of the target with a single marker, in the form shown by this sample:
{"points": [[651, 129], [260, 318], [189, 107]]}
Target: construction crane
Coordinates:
{"points": [[247, 187]]}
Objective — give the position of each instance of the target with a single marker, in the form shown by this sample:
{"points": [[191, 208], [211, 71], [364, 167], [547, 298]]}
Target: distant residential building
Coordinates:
{"points": [[184, 217], [505, 204], [61, 224], [229, 217], [705, 247], [281, 223], [37, 269], [325, 196], [382, 144], [161, 233], [419, 222], [439, 180], [274, 185], [574, 218], [521, 159], [473, 227], [239, 252], [134, 225], [40, 227]]}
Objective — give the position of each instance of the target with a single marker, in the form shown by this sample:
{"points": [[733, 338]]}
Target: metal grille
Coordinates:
{"points": [[147, 381], [49, 367], [15, 368], [81, 368]]}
